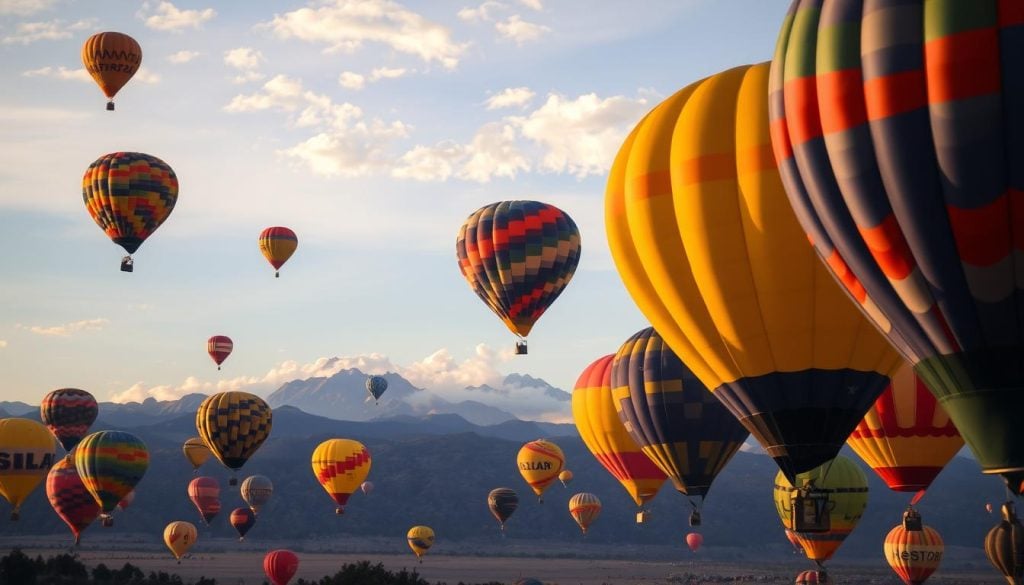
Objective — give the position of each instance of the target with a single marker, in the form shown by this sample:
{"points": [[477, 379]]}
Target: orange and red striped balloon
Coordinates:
{"points": [[913, 554], [277, 245]]}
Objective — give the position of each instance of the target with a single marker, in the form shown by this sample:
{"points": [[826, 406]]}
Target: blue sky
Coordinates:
{"points": [[371, 128]]}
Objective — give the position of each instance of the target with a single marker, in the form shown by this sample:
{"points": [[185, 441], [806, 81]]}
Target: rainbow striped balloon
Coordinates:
{"points": [[111, 464]]}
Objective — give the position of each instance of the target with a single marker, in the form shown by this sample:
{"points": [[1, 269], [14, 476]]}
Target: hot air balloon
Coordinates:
{"points": [[129, 194], [233, 425], [256, 491], [277, 245], [707, 245], [280, 566], [126, 500], [913, 550], [366, 487], [906, 437], [420, 538], [540, 462], [1004, 546], [111, 463], [68, 413], [219, 347], [69, 498], [179, 536], [196, 452], [242, 519], [903, 169], [112, 58], [341, 465], [584, 509], [593, 411], [565, 477], [205, 494], [813, 578], [678, 424], [831, 497], [502, 502], [376, 385], [30, 450], [694, 540], [518, 256]]}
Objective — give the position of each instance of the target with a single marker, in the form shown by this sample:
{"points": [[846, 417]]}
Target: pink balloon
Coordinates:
{"points": [[694, 540]]}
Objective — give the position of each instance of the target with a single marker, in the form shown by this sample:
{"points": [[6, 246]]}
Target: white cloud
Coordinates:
{"points": [[510, 97], [66, 329], [344, 25], [533, 4], [59, 73], [440, 372], [29, 32], [581, 136], [352, 80], [519, 30], [430, 163], [169, 17], [144, 75], [491, 153], [25, 7], [243, 58], [182, 57], [482, 13], [281, 92], [387, 73]]}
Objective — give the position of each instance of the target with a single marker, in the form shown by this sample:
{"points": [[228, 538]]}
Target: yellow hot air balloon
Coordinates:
{"points": [[420, 538], [179, 537], [233, 425], [196, 452], [832, 496], [707, 245], [540, 462], [584, 508], [112, 58], [593, 411], [27, 451], [565, 477], [341, 466]]}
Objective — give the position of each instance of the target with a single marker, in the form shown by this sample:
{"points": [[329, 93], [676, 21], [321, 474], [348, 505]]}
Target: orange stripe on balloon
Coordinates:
{"points": [[982, 235], [895, 94], [844, 88], [655, 184], [889, 248], [963, 65]]}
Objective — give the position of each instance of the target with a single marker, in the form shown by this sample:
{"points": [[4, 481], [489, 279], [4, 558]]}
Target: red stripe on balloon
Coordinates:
{"points": [[843, 90], [963, 65]]}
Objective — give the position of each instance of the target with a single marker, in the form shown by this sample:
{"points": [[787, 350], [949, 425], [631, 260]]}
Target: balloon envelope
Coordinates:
{"points": [[280, 566], [584, 509], [913, 554], [708, 247], [901, 150], [366, 487], [277, 245], [376, 385], [539, 463], [1004, 546], [196, 452], [502, 502], [694, 540], [518, 257], [111, 464], [69, 498], [205, 494], [219, 347], [242, 520], [179, 536], [341, 465], [420, 538], [233, 425], [565, 477], [256, 491], [31, 450], [111, 58], [68, 413]]}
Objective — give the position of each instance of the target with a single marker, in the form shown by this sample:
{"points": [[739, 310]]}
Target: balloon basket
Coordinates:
{"points": [[339, 511], [232, 481], [127, 264], [277, 275], [110, 106], [521, 347]]}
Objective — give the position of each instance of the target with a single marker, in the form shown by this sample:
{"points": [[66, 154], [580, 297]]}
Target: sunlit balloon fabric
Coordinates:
{"points": [[179, 536], [584, 509], [518, 256], [196, 452], [233, 425], [913, 554], [420, 538], [219, 347], [502, 502], [705, 241], [341, 465], [129, 195], [540, 462], [902, 151], [242, 520], [593, 411], [280, 566], [68, 413], [694, 540], [565, 477], [30, 450], [111, 463], [366, 487], [906, 437], [205, 494], [847, 489], [69, 498], [681, 426], [1004, 545], [111, 58], [277, 245], [256, 491]]}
